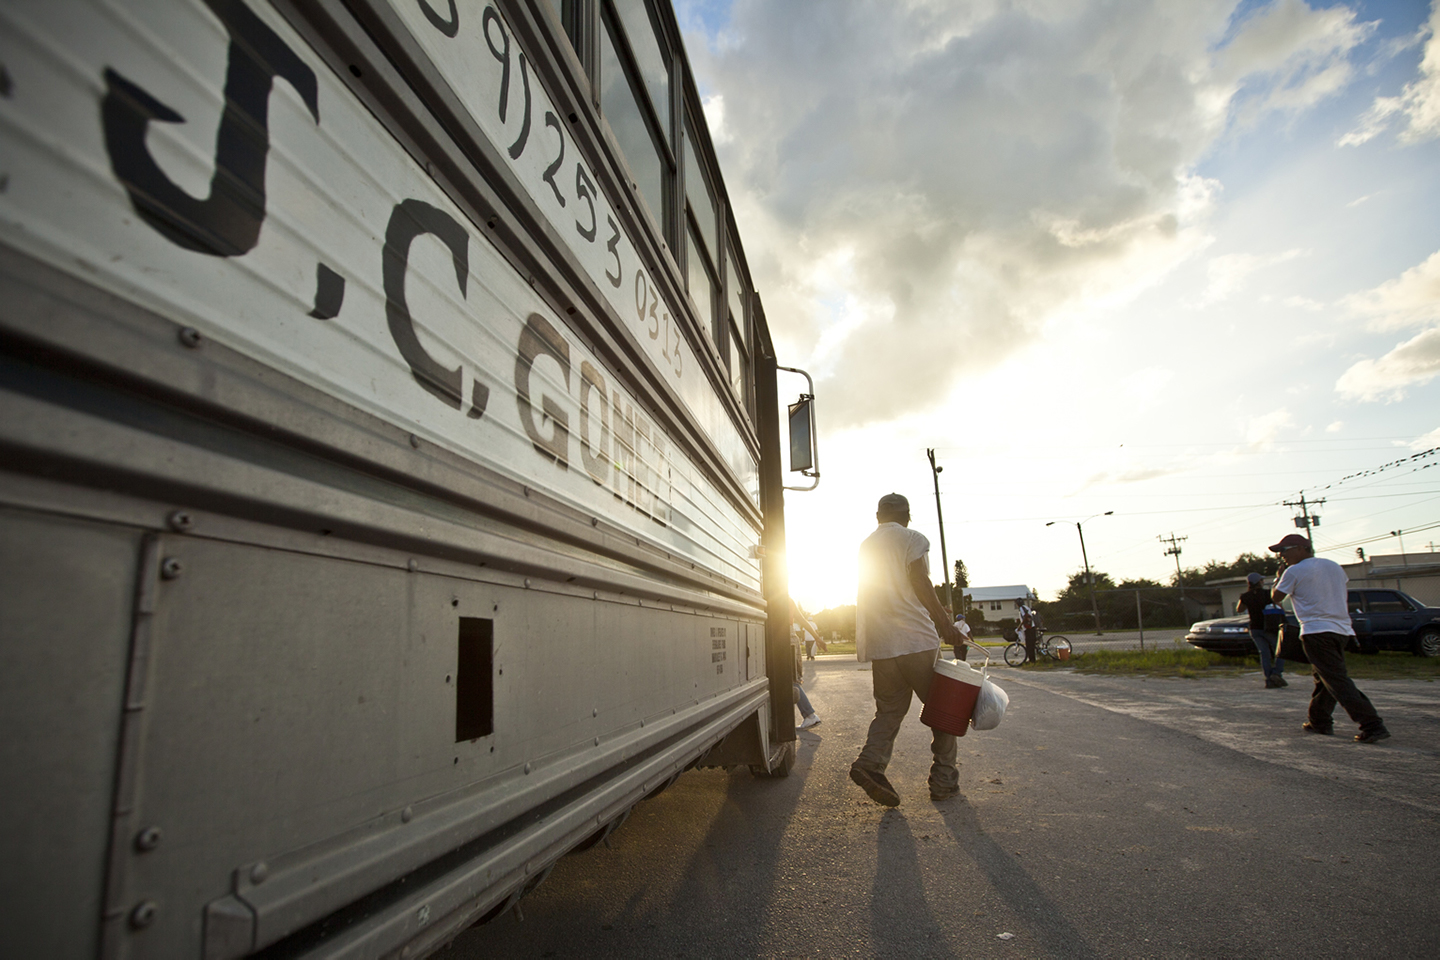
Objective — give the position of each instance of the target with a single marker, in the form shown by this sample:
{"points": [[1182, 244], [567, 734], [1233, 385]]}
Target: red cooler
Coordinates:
{"points": [[953, 692]]}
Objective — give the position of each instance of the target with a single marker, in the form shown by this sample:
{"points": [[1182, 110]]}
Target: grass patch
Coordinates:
{"points": [[847, 647], [1153, 663], [1388, 665]]}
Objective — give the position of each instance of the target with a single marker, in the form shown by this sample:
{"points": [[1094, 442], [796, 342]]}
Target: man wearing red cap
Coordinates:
{"points": [[1316, 587], [899, 623]]}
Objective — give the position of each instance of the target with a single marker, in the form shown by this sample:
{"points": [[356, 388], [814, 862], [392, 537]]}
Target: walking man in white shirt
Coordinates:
{"points": [[899, 624], [1316, 587]]}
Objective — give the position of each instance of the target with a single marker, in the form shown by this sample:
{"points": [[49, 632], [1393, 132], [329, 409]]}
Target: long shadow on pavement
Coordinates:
{"points": [[1044, 918]]}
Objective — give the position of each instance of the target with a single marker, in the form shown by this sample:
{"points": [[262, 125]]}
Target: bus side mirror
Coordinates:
{"points": [[802, 435], [804, 451]]}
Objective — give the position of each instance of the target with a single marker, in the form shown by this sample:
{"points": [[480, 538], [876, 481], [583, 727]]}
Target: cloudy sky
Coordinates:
{"points": [[1178, 260]]}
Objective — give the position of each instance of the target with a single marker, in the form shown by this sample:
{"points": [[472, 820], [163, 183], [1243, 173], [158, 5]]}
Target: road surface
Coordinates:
{"points": [[1104, 818]]}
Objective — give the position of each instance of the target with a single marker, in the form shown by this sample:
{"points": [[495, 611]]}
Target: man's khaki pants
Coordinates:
{"points": [[895, 679]]}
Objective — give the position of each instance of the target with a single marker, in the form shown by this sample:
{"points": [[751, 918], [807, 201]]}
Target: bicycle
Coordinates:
{"points": [[1056, 647]]}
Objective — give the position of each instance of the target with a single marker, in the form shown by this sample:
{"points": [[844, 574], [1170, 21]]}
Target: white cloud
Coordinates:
{"points": [[1414, 362], [1264, 430], [1335, 427], [1227, 273], [987, 167], [1427, 442], [1418, 104], [1411, 299], [714, 108], [1293, 56]]}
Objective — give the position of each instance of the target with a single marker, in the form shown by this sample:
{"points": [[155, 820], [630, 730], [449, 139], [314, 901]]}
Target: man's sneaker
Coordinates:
{"points": [[943, 793], [1372, 736], [1271, 682], [811, 721], [876, 786], [1279, 680], [1309, 727]]}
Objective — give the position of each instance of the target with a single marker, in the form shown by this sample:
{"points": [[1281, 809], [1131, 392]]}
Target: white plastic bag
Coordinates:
{"points": [[989, 706]]}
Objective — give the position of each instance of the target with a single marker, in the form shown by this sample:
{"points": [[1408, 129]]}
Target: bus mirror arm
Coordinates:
{"points": [[804, 445]]}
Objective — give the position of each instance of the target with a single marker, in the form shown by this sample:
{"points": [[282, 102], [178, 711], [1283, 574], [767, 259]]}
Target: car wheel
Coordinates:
{"points": [[1428, 643]]}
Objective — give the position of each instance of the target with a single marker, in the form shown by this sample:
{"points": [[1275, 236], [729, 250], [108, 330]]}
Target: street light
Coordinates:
{"points": [[1094, 607], [944, 557], [1401, 534]]}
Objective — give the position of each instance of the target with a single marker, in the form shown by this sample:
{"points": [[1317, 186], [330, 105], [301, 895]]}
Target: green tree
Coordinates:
{"points": [[962, 576], [839, 620]]}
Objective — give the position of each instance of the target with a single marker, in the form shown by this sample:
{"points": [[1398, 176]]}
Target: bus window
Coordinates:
{"points": [[648, 56], [702, 286], [628, 123], [697, 194], [739, 332]]}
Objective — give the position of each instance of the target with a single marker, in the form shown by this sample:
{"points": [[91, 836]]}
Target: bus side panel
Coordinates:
{"points": [[66, 595], [298, 706]]}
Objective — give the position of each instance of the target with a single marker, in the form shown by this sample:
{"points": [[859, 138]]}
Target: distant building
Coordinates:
{"points": [[1418, 574], [998, 603], [1230, 590]]}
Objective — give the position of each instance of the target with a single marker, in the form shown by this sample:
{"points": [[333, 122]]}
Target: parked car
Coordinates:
{"points": [[1227, 635], [1383, 620]]}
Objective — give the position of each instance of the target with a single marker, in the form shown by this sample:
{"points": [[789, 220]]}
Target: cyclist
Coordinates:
{"points": [[1029, 632]]}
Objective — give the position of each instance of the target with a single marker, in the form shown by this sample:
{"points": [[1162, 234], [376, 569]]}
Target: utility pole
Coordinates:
{"points": [[1089, 578], [939, 515], [1174, 550], [1306, 520]]}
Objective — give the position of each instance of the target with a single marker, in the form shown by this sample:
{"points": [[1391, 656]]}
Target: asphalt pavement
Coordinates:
{"points": [[1105, 817]]}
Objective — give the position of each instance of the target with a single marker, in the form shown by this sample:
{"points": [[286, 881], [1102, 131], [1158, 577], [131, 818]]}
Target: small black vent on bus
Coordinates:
{"points": [[474, 680]]}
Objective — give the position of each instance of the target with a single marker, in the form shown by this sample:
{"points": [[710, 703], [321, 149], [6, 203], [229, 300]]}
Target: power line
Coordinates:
{"points": [[1381, 536]]}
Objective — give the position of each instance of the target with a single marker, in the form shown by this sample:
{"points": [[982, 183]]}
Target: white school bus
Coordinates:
{"points": [[390, 482]]}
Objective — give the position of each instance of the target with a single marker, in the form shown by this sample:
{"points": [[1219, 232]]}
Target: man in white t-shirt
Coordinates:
{"points": [[964, 629], [1316, 588], [899, 624]]}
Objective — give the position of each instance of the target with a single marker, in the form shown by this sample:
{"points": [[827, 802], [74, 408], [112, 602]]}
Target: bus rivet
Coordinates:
{"points": [[143, 915], [414, 441], [170, 568], [190, 337], [259, 872], [147, 839], [180, 520], [527, 583], [527, 766], [407, 814], [412, 565]]}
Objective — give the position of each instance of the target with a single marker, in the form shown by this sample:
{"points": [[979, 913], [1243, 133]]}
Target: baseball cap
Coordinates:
{"points": [[893, 503], [1254, 578], [1288, 541]]}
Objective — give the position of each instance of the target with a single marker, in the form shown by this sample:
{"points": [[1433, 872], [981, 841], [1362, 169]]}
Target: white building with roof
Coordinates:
{"points": [[999, 603]]}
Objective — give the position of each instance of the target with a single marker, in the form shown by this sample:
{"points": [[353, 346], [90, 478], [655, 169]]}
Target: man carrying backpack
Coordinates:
{"points": [[1255, 600]]}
